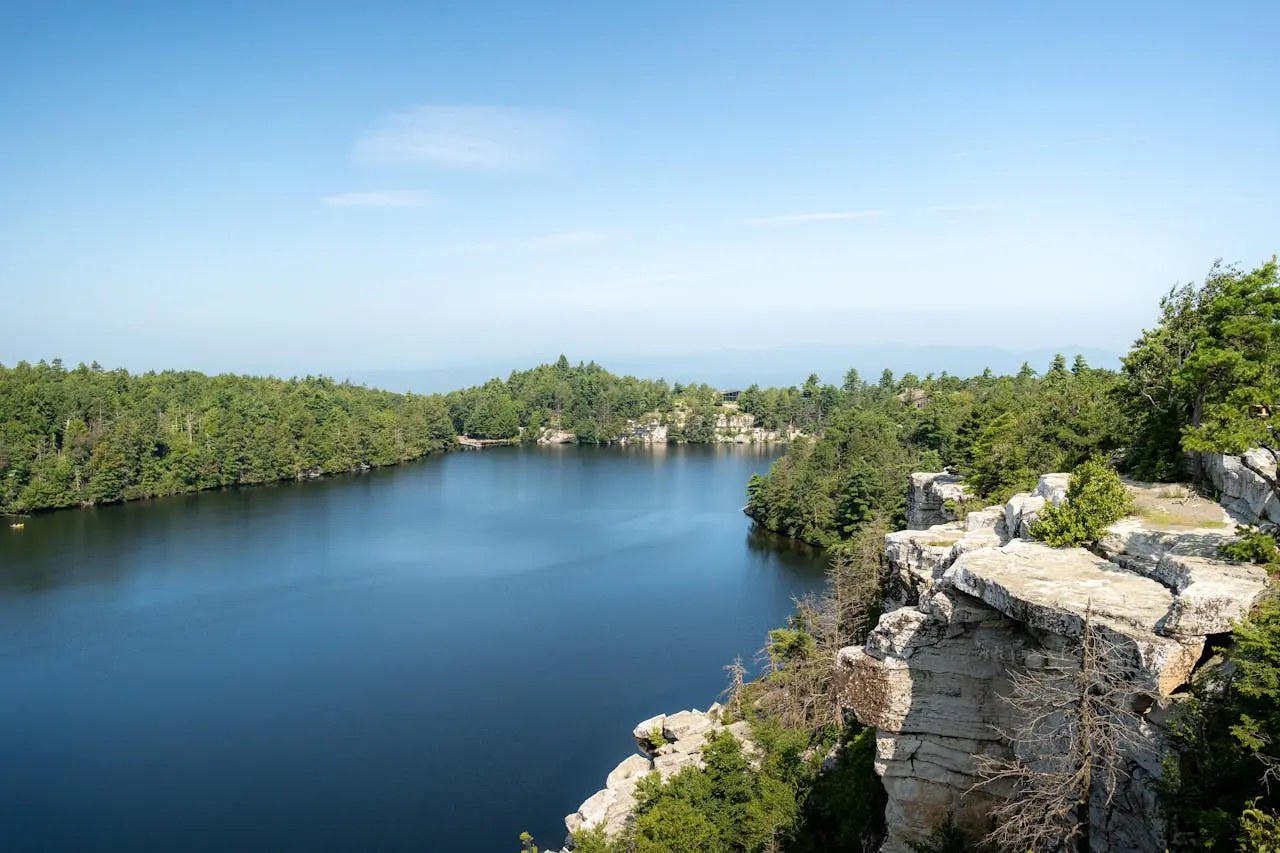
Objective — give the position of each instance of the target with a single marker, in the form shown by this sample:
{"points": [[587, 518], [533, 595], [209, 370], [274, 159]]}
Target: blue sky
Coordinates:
{"points": [[322, 186]]}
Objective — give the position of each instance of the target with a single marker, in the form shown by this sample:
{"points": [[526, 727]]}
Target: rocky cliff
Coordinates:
{"points": [[968, 602], [931, 499], [667, 743]]}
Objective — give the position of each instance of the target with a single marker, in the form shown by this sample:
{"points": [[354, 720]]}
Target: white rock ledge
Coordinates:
{"points": [[969, 601]]}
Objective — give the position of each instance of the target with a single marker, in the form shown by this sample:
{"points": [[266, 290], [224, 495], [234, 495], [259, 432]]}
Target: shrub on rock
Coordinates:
{"points": [[1096, 499]]}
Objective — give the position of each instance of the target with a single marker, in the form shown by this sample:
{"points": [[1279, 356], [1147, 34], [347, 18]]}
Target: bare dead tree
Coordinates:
{"points": [[737, 683], [800, 686], [1074, 726], [854, 583]]}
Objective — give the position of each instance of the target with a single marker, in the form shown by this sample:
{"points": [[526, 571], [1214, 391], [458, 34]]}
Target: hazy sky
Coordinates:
{"points": [[261, 185]]}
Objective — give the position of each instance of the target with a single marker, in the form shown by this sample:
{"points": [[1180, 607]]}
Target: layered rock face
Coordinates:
{"points": [[967, 603], [928, 496], [1244, 494]]}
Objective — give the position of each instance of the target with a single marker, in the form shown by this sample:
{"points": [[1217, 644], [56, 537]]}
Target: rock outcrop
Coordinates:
{"points": [[1243, 493], [969, 602], [668, 743], [655, 429], [927, 498]]}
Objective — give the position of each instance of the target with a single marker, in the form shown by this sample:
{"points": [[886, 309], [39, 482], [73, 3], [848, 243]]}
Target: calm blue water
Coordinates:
{"points": [[427, 658]]}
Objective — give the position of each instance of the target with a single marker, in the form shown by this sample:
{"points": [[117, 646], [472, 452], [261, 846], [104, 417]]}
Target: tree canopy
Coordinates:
{"points": [[1000, 432]]}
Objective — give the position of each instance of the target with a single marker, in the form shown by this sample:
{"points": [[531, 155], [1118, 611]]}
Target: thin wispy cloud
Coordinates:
{"points": [[830, 216], [1043, 146], [659, 278], [466, 137], [542, 241], [959, 208], [1223, 199], [379, 198]]}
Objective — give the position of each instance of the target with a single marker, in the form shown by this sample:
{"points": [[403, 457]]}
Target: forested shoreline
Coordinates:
{"points": [[1204, 379], [86, 436]]}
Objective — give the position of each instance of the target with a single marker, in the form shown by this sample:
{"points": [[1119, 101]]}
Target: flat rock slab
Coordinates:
{"points": [[1212, 594], [683, 724], [1053, 588], [1135, 538]]}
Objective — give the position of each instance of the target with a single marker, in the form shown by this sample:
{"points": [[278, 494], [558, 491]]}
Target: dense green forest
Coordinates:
{"points": [[596, 405], [91, 436], [1205, 378], [84, 436], [1000, 432]]}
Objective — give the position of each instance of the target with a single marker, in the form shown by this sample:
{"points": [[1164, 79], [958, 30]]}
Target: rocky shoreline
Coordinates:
{"points": [[729, 429], [970, 600], [970, 597], [666, 744]]}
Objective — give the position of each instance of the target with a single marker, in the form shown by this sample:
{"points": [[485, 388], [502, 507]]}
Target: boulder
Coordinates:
{"points": [[678, 726], [1244, 494], [592, 812], [740, 730], [1211, 594], [984, 519], [686, 752], [644, 733], [1020, 513], [556, 436], [1053, 488], [631, 766], [927, 496]]}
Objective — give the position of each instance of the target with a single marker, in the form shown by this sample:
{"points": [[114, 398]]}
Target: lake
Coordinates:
{"points": [[429, 657]]}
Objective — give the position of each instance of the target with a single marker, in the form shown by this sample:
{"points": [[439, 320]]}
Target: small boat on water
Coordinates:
{"points": [[17, 525]]}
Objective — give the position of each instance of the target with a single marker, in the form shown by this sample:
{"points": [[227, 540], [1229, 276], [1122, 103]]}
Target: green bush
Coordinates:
{"points": [[1095, 499], [1214, 790], [1253, 546], [1259, 830]]}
